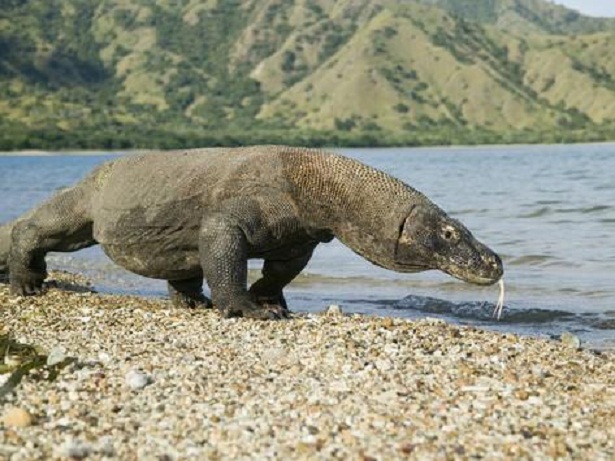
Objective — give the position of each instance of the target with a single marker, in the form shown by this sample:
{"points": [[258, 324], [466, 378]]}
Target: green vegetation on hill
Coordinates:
{"points": [[117, 74]]}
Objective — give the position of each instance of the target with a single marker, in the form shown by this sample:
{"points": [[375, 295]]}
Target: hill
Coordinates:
{"points": [[144, 73]]}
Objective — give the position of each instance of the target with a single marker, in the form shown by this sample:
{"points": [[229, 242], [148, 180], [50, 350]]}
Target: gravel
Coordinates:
{"points": [[151, 381]]}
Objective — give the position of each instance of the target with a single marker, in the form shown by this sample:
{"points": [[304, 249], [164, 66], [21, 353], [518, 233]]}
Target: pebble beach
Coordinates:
{"points": [[148, 381]]}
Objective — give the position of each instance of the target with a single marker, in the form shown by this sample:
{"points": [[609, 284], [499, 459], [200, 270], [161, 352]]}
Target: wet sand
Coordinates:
{"points": [[151, 381]]}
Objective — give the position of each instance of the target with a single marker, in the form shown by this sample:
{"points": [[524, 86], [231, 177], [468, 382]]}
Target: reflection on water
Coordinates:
{"points": [[548, 210]]}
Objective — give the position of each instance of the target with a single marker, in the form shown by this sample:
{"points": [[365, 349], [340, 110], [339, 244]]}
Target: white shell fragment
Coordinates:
{"points": [[137, 380], [56, 355], [570, 339], [499, 307], [333, 310]]}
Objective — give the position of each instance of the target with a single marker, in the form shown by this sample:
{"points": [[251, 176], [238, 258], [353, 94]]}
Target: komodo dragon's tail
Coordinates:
{"points": [[5, 245]]}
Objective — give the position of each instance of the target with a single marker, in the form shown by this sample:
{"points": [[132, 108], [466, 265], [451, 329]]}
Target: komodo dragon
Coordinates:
{"points": [[185, 216]]}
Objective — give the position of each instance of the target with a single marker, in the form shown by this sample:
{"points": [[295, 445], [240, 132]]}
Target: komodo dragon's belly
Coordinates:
{"points": [[154, 261], [158, 241]]}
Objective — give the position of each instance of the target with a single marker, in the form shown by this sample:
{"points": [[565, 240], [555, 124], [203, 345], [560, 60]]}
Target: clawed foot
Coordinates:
{"points": [[276, 304], [251, 310], [183, 300], [27, 284], [188, 293]]}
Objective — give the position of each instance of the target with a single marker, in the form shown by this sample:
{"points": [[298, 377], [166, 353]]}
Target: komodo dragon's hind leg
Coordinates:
{"points": [[62, 223], [267, 291], [188, 293]]}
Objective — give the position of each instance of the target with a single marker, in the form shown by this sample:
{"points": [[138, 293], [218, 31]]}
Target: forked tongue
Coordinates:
{"points": [[499, 307]]}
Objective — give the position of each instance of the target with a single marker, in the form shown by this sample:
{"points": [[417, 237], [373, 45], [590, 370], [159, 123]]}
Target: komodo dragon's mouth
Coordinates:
{"points": [[472, 277], [413, 267], [477, 280]]}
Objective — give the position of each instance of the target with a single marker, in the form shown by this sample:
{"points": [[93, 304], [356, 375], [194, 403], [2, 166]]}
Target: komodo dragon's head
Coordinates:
{"points": [[429, 239]]}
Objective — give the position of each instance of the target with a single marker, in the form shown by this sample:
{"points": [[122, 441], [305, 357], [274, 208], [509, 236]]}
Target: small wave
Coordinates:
{"points": [[471, 211], [543, 211], [480, 310], [604, 324], [599, 294], [531, 260], [548, 210], [585, 210]]}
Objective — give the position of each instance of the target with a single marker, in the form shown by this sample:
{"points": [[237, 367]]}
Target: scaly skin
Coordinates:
{"points": [[185, 216]]}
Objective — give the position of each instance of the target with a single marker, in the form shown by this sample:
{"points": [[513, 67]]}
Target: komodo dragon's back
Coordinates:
{"points": [[139, 195]]}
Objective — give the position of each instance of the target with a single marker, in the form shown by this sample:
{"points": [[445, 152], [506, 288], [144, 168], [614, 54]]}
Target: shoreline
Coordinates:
{"points": [[313, 387], [67, 153], [94, 152]]}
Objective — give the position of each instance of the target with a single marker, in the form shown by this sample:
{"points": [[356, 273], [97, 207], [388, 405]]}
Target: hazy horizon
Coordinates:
{"points": [[590, 7]]}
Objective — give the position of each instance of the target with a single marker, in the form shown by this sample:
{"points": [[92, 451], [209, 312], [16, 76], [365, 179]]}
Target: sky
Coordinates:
{"points": [[591, 7]]}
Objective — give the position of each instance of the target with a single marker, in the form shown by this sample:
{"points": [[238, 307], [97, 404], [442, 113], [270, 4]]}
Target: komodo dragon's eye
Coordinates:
{"points": [[450, 234]]}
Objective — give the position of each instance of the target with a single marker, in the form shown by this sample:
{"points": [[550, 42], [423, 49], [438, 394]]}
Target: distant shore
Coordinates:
{"points": [[154, 382], [93, 152], [44, 153]]}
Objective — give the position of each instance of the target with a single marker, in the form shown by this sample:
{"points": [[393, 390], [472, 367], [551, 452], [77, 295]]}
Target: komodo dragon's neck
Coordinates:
{"points": [[363, 207]]}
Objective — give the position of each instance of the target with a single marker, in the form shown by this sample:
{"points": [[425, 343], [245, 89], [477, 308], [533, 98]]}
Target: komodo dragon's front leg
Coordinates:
{"points": [[240, 229], [223, 251]]}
